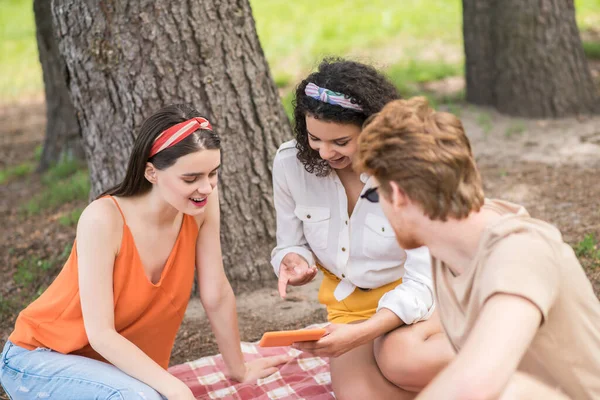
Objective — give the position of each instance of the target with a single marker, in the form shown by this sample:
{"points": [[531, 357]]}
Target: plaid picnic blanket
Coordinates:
{"points": [[305, 377]]}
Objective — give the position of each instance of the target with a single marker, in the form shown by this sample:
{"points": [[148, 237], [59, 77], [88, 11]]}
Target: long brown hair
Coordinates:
{"points": [[135, 182]]}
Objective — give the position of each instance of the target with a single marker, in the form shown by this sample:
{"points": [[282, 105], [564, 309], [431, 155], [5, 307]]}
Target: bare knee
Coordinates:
{"points": [[411, 356], [398, 361]]}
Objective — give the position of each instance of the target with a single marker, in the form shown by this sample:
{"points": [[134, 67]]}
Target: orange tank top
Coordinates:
{"points": [[147, 314]]}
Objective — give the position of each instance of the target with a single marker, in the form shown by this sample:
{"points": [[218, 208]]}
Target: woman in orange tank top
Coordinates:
{"points": [[105, 327]]}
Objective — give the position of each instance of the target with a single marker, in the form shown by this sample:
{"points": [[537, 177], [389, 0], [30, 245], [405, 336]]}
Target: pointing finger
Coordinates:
{"points": [[282, 283]]}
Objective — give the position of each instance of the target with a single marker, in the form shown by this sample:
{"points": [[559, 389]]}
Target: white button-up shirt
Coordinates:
{"points": [[361, 249]]}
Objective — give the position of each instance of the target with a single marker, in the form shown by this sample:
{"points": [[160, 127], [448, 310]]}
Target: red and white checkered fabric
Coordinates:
{"points": [[305, 377]]}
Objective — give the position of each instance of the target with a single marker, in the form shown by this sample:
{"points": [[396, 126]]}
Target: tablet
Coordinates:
{"points": [[286, 338]]}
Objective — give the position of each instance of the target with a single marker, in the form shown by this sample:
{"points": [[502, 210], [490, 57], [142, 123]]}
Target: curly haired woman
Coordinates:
{"points": [[385, 339]]}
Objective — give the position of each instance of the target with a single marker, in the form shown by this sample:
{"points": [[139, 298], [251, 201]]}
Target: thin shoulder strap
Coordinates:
{"points": [[119, 207]]}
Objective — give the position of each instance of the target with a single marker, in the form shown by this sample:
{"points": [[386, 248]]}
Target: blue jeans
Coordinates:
{"points": [[46, 374]]}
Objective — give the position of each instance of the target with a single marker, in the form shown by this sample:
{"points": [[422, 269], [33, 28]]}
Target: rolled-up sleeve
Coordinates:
{"points": [[290, 236], [413, 300]]}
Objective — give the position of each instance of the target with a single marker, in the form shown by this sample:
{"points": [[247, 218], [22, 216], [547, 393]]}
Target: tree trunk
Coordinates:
{"points": [[526, 58], [129, 58], [62, 139]]}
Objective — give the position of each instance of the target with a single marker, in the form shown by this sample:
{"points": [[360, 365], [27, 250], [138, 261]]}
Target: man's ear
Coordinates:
{"points": [[150, 172], [399, 199]]}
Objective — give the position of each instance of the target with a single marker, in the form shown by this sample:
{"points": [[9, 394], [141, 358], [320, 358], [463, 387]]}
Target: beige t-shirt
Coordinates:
{"points": [[527, 257]]}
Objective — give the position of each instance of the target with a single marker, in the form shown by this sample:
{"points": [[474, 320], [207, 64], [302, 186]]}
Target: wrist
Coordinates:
{"points": [[174, 389], [369, 330], [362, 333], [382, 322], [238, 372]]}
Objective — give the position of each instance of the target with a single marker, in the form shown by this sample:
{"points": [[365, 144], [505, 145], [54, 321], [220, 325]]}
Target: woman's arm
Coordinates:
{"points": [[290, 235], [219, 301], [342, 338], [408, 303], [99, 234], [215, 291], [292, 259], [413, 300]]}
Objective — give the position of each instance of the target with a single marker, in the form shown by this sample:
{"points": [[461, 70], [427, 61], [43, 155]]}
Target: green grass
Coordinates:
{"points": [[293, 34], [587, 13], [515, 128], [588, 251], [455, 109], [283, 80], [32, 276], [37, 152], [9, 306], [588, 247], [484, 120], [28, 270], [76, 187], [23, 169], [62, 170], [407, 75], [18, 171], [298, 33], [20, 70], [71, 218], [63, 182], [592, 50], [287, 104], [422, 71]]}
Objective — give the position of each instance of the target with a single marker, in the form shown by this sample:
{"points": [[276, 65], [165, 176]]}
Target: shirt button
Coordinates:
{"points": [[308, 216], [382, 229], [343, 249], [346, 222], [343, 276]]}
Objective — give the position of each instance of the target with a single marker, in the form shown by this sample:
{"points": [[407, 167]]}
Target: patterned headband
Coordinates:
{"points": [[177, 133], [331, 97]]}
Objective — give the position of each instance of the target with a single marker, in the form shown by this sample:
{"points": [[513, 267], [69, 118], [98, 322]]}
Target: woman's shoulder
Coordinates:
{"points": [[287, 149], [286, 155], [102, 215]]}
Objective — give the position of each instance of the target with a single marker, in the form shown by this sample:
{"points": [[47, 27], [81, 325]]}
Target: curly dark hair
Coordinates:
{"points": [[363, 83]]}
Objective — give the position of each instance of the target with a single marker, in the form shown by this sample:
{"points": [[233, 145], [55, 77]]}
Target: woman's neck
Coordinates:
{"points": [[347, 172], [153, 209]]}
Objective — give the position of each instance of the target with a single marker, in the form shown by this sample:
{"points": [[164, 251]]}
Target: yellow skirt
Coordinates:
{"points": [[359, 306]]}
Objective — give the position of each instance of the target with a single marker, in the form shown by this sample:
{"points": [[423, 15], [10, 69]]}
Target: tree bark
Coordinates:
{"points": [[526, 58], [62, 139], [129, 58]]}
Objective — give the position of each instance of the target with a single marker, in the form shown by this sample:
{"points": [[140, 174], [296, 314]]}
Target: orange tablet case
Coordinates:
{"points": [[286, 338]]}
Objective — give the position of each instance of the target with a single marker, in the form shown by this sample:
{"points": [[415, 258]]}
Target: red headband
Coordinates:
{"points": [[177, 133]]}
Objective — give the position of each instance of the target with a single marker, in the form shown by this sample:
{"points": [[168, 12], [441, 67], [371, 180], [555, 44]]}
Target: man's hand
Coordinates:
{"points": [[294, 270], [340, 338]]}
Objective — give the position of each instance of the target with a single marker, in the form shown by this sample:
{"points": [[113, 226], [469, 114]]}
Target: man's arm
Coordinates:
{"points": [[523, 386], [486, 365]]}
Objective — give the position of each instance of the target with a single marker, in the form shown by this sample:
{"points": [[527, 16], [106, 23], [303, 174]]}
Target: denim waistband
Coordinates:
{"points": [[13, 349], [7, 346]]}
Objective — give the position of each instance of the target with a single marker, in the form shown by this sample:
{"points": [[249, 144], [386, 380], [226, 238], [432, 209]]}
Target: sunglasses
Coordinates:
{"points": [[371, 195]]}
